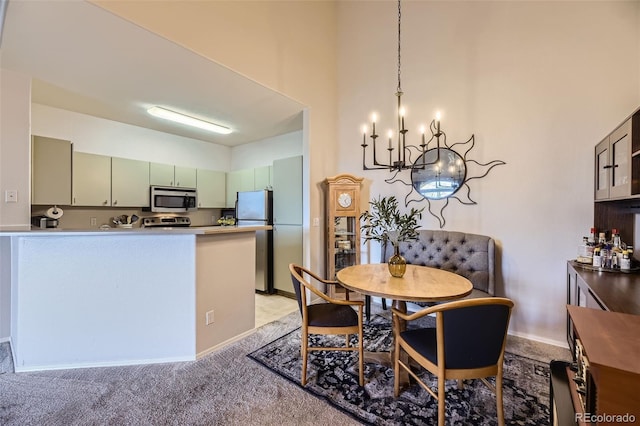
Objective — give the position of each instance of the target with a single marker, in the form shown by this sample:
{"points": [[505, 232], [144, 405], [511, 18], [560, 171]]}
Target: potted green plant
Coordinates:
{"points": [[383, 222]]}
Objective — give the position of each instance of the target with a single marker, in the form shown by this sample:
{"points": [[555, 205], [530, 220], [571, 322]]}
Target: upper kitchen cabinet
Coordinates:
{"points": [[262, 178], [211, 185], [170, 175], [51, 171], [238, 181], [617, 162], [287, 191], [91, 180], [129, 183], [161, 174], [613, 164], [186, 177]]}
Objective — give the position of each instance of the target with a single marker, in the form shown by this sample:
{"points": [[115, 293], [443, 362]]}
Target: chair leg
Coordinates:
{"points": [[396, 368], [460, 384], [367, 307], [499, 402], [305, 354], [441, 401], [361, 355]]}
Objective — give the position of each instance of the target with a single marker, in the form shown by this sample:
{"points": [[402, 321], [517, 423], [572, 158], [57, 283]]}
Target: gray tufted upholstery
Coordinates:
{"points": [[469, 255]]}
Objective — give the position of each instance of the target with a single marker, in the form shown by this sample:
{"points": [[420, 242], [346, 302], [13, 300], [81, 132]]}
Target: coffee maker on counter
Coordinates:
{"points": [[50, 219]]}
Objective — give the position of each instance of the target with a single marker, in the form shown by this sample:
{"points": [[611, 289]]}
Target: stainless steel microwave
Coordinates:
{"points": [[173, 199]]}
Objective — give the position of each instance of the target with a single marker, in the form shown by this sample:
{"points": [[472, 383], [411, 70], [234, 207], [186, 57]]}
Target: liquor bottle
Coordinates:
{"points": [[625, 262], [597, 258], [616, 248], [585, 252], [604, 251]]}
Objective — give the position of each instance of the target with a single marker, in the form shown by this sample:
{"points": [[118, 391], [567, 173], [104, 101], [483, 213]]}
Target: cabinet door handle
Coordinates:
{"points": [[611, 166], [114, 203]]}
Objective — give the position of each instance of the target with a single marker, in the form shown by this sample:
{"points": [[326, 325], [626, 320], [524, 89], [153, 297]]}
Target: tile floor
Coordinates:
{"points": [[272, 307]]}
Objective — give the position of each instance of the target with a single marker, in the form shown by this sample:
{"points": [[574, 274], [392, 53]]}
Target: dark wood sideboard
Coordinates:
{"points": [[603, 314]]}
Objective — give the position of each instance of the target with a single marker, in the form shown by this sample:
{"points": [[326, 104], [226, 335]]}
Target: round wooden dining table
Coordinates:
{"points": [[419, 284]]}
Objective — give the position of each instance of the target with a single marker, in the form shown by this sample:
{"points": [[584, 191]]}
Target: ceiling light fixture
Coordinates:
{"points": [[403, 161], [167, 114]]}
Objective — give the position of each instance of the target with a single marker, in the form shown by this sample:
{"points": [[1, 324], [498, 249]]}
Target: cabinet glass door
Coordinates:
{"points": [[602, 177], [345, 242]]}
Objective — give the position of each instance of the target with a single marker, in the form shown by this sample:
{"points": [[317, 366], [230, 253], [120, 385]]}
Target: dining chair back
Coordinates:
{"points": [[468, 342], [333, 316]]}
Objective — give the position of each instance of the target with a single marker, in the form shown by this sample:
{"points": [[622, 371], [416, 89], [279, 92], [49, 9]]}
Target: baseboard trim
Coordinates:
{"points": [[225, 343], [103, 364], [560, 343]]}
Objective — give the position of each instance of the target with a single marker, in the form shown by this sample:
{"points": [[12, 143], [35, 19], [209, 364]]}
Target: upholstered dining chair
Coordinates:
{"points": [[333, 317], [467, 342]]}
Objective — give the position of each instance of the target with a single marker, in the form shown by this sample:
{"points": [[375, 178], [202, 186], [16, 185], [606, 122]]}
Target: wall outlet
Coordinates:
{"points": [[93, 221], [316, 221], [209, 318], [11, 196]]}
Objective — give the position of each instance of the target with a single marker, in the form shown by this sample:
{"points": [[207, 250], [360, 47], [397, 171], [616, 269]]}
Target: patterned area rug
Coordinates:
{"points": [[332, 375]]}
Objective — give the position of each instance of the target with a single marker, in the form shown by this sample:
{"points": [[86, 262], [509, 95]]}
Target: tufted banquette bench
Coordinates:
{"points": [[469, 255]]}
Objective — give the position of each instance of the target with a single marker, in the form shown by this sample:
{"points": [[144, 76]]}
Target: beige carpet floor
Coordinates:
{"points": [[223, 388]]}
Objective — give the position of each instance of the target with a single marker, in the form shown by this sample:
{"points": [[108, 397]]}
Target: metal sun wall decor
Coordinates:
{"points": [[439, 173]]}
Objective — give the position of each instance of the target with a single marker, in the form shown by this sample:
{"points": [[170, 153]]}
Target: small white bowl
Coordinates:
{"points": [[125, 225]]}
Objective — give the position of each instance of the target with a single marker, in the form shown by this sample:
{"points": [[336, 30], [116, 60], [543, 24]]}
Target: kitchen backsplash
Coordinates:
{"points": [[81, 217]]}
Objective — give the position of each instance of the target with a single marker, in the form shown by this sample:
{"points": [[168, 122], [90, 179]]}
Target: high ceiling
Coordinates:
{"points": [[85, 59]]}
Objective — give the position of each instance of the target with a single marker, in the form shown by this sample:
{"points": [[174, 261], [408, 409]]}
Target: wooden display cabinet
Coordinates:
{"points": [[342, 226], [607, 350]]}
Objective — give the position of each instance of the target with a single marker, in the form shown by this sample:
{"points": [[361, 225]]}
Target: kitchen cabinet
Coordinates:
{"points": [[287, 248], [617, 188], [91, 180], [287, 191], [185, 177], [161, 174], [237, 181], [50, 171], [211, 185], [262, 178], [129, 183], [248, 180], [613, 164], [287, 213], [170, 175]]}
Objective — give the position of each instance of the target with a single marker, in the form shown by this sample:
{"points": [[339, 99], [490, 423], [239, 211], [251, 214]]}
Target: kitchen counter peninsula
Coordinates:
{"points": [[86, 298]]}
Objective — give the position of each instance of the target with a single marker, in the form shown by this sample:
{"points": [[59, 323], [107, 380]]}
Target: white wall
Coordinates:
{"points": [[15, 146], [106, 137], [262, 153], [539, 83]]}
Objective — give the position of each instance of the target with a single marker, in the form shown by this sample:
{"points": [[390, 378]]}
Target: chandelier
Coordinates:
{"points": [[402, 159], [439, 173]]}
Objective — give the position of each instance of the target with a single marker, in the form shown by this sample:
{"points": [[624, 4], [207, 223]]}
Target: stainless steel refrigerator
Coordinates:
{"points": [[256, 208]]}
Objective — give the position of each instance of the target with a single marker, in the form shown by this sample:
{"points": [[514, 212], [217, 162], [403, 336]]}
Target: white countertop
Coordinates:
{"points": [[28, 231]]}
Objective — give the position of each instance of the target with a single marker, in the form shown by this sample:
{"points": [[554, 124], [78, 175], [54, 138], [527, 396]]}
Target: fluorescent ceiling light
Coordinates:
{"points": [[189, 121]]}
